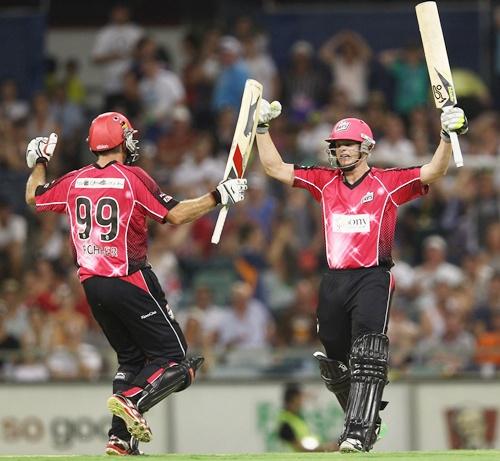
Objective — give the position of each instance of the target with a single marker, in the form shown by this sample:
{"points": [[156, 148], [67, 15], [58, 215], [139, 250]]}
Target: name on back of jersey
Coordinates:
{"points": [[91, 249], [350, 223]]}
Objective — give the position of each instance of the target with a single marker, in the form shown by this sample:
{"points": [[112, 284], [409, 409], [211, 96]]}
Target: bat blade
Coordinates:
{"points": [[436, 56], [241, 146]]}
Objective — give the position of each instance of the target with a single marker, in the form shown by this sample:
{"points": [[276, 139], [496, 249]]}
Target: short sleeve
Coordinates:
{"points": [[53, 195], [149, 196], [404, 184], [313, 179]]}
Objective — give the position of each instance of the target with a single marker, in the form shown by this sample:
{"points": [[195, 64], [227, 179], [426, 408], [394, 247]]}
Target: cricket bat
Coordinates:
{"points": [[241, 147], [438, 66]]}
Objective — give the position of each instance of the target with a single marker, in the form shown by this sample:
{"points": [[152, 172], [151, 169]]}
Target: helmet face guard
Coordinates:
{"points": [[131, 146], [110, 130]]}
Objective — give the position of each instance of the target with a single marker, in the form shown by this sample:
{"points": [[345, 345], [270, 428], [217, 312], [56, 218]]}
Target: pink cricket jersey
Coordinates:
{"points": [[359, 220], [107, 209]]}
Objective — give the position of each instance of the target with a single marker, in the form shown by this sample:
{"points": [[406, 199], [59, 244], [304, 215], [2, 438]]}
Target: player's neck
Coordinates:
{"points": [[103, 160], [352, 176]]}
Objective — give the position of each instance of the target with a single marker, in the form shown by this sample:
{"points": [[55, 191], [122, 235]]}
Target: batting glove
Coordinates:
{"points": [[230, 191], [453, 119], [268, 112], [40, 150]]}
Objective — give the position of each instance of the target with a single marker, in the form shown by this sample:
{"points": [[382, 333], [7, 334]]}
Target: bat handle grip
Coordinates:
{"points": [[457, 152], [219, 225]]}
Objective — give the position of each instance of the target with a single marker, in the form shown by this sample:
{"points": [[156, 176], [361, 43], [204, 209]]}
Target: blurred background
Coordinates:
{"points": [[177, 70]]}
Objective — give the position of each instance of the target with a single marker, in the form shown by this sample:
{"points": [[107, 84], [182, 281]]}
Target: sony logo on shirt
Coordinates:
{"points": [[350, 223]]}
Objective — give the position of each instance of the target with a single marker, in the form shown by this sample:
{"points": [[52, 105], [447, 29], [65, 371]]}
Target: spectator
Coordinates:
{"points": [[304, 84], [482, 315], [198, 76], [403, 334], [450, 353], [411, 80], [394, 148], [348, 56], [161, 91], [203, 320], [492, 245], [10, 346], [73, 84], [11, 106], [113, 49], [199, 169], [261, 65], [297, 324], [488, 346], [247, 325], [230, 83], [435, 306], [13, 233], [13, 307], [435, 268]]}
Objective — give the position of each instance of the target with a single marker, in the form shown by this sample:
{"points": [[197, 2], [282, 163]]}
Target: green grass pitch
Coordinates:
{"points": [[455, 455]]}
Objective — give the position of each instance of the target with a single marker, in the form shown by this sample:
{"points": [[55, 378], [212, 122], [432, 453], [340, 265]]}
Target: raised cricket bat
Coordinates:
{"points": [[241, 147], [438, 66]]}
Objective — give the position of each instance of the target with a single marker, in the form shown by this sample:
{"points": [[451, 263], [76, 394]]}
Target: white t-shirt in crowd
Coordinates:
{"points": [[161, 93], [116, 39]]}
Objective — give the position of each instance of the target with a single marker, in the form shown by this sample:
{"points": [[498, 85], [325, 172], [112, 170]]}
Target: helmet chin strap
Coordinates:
{"points": [[335, 163]]}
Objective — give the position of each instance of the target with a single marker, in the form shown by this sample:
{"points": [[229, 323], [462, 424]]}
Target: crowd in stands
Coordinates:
{"points": [[249, 302]]}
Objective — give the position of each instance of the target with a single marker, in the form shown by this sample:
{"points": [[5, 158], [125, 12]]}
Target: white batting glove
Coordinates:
{"points": [[40, 150], [453, 119], [268, 111], [231, 191]]}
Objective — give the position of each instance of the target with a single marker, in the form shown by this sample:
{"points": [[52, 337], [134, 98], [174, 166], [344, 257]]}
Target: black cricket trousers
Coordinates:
{"points": [[352, 303], [139, 324]]}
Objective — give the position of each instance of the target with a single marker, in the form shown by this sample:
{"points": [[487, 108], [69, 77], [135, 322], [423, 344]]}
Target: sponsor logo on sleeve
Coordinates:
{"points": [[368, 197], [166, 198]]}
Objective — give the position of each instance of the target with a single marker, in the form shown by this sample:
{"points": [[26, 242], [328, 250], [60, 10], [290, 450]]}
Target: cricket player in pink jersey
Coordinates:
{"points": [[107, 204], [359, 205]]}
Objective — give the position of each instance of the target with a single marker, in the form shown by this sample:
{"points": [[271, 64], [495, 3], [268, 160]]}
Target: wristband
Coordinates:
{"points": [[216, 195], [262, 128], [41, 160], [445, 136]]}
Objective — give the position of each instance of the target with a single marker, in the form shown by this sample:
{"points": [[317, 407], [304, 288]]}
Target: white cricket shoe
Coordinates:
{"points": [[351, 446]]}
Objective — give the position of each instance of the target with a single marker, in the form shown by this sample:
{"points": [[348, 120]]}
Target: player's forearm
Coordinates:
{"points": [[271, 160], [190, 210], [38, 177], [438, 166]]}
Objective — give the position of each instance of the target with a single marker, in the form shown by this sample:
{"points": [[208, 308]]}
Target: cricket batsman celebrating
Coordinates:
{"points": [[359, 206], [107, 204]]}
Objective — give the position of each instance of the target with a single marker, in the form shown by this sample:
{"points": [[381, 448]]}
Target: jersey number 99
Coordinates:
{"points": [[106, 215]]}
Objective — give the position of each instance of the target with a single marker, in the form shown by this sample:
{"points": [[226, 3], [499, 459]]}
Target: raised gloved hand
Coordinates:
{"points": [[40, 150], [230, 191], [268, 111], [453, 119]]}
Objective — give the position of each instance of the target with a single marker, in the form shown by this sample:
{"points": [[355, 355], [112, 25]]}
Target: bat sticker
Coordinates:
{"points": [[448, 87], [251, 111]]}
